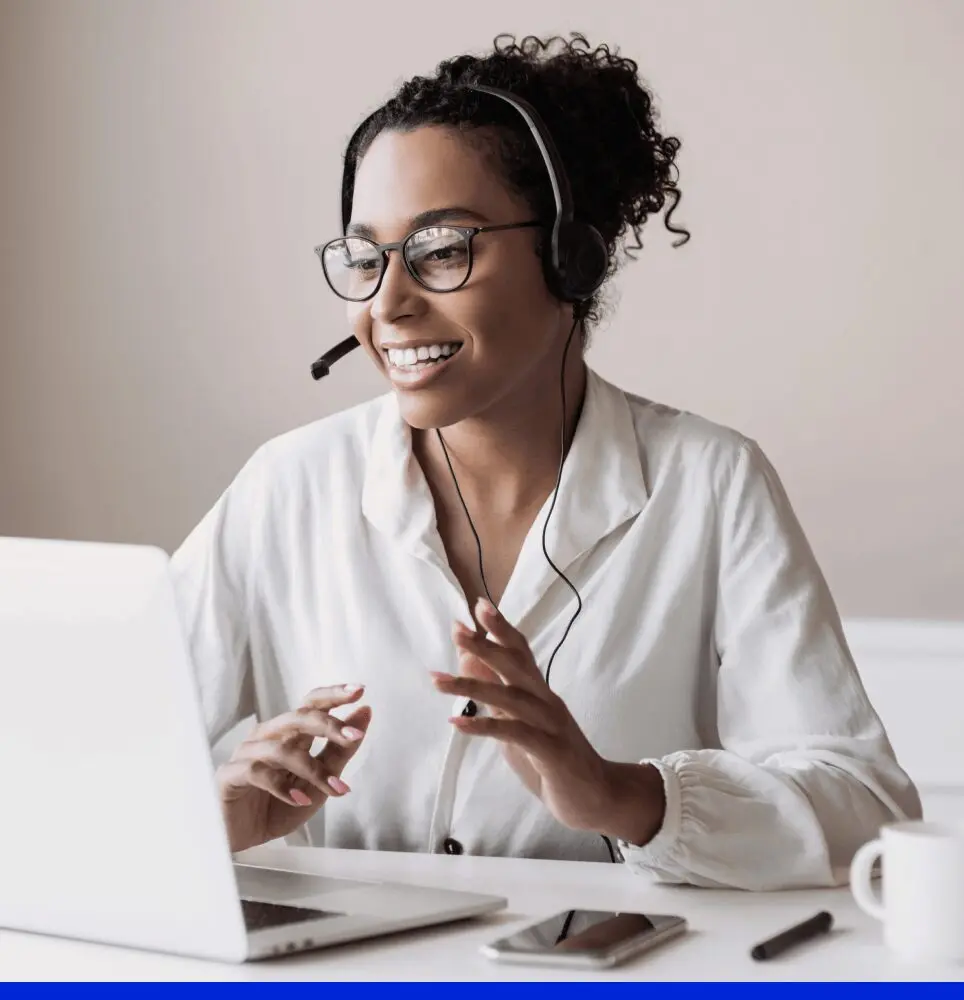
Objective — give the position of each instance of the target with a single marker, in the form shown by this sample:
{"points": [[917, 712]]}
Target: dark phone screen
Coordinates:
{"points": [[585, 931]]}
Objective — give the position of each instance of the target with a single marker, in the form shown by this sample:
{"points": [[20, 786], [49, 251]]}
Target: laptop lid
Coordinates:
{"points": [[112, 829]]}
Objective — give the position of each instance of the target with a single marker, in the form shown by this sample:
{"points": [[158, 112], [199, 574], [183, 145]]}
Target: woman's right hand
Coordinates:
{"points": [[272, 784]]}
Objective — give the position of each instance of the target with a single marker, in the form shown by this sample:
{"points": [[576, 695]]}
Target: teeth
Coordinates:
{"points": [[410, 356]]}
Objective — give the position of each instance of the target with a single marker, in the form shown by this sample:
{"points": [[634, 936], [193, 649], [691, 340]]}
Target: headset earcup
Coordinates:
{"points": [[582, 261]]}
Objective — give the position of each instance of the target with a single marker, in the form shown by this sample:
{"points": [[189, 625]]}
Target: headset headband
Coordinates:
{"points": [[558, 178], [575, 257]]}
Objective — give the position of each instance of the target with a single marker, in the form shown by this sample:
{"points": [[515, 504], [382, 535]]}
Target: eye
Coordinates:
{"points": [[437, 246], [362, 264], [359, 257], [444, 253]]}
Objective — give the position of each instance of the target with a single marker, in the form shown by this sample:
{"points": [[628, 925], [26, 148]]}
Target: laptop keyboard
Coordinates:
{"points": [[259, 916]]}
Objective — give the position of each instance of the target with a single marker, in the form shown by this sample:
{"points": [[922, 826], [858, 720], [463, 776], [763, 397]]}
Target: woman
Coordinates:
{"points": [[703, 718]]}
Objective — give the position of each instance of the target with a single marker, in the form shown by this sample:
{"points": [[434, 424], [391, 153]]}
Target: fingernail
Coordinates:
{"points": [[338, 785], [352, 688], [485, 606], [436, 675], [461, 628], [299, 797], [350, 733]]}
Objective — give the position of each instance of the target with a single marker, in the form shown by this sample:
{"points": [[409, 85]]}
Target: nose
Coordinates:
{"points": [[399, 294]]}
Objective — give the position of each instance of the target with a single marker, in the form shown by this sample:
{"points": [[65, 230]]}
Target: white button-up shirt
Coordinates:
{"points": [[708, 644]]}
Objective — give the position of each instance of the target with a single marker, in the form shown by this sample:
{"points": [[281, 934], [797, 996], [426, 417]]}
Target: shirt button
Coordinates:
{"points": [[470, 709], [451, 846]]}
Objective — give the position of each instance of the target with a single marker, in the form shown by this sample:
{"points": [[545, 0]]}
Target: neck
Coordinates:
{"points": [[508, 460]]}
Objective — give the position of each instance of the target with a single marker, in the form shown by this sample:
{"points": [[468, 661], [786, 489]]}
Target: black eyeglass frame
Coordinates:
{"points": [[468, 233]]}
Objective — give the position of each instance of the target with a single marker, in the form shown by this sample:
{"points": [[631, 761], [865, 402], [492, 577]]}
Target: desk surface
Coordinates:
{"points": [[723, 927]]}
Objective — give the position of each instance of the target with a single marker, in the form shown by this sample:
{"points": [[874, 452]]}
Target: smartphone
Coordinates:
{"points": [[593, 939]]}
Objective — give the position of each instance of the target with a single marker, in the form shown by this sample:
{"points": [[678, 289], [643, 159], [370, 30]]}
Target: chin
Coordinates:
{"points": [[423, 413]]}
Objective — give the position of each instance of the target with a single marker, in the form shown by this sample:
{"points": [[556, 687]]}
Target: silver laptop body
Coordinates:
{"points": [[112, 828]]}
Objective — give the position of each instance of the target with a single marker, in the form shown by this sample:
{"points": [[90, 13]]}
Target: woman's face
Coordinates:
{"points": [[510, 329]]}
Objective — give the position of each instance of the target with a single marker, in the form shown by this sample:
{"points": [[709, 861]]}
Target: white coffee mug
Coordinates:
{"points": [[922, 898]]}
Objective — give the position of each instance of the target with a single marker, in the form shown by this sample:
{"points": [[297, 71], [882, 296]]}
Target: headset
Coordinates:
{"points": [[575, 259], [575, 263]]}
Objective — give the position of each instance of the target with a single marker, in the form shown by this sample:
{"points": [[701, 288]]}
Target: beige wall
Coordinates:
{"points": [[167, 168]]}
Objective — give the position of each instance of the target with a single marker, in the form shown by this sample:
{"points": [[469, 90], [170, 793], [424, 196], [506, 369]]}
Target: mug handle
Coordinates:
{"points": [[860, 878]]}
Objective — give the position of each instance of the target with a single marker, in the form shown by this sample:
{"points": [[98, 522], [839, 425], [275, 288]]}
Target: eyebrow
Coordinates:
{"points": [[432, 217]]}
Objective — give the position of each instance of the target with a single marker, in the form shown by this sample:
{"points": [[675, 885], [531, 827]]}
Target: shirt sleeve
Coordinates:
{"points": [[212, 571], [805, 773]]}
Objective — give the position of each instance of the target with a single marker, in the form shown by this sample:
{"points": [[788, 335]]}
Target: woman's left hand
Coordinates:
{"points": [[542, 742]]}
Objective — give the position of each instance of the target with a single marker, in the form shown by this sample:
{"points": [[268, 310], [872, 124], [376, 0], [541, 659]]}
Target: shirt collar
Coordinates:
{"points": [[602, 487]]}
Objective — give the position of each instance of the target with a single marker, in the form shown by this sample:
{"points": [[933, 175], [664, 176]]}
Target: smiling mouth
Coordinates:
{"points": [[415, 359]]}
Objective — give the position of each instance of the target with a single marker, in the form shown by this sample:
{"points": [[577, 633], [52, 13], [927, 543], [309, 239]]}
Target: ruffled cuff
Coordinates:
{"points": [[661, 847]]}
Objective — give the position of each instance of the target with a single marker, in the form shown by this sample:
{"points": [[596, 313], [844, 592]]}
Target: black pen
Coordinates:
{"points": [[819, 924]]}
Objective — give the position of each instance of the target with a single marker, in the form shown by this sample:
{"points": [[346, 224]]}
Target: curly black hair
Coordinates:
{"points": [[601, 117]]}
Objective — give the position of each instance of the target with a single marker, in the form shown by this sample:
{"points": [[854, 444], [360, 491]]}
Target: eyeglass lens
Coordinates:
{"points": [[438, 256]]}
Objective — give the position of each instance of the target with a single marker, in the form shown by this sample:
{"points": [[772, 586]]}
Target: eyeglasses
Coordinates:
{"points": [[439, 258]]}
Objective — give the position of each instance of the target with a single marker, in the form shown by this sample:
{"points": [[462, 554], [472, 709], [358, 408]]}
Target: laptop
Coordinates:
{"points": [[112, 828]]}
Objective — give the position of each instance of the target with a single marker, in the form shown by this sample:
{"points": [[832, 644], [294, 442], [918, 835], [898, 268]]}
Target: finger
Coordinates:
{"points": [[492, 620], [285, 756], [331, 697], [519, 647], [316, 706], [308, 722], [519, 704], [505, 731], [471, 666], [239, 775], [334, 757], [512, 666], [292, 756]]}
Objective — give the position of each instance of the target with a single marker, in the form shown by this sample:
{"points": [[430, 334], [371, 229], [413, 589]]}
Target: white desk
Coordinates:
{"points": [[723, 925]]}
